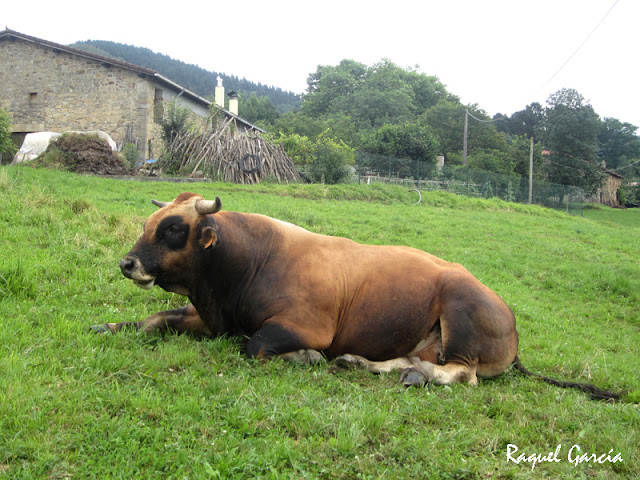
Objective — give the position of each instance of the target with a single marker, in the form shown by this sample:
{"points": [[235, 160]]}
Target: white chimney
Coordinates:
{"points": [[219, 98], [233, 103]]}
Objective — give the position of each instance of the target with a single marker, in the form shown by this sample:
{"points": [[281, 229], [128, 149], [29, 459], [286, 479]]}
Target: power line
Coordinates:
{"points": [[581, 45], [482, 121], [627, 166]]}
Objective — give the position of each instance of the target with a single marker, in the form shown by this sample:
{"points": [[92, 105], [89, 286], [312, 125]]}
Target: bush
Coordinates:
{"points": [[622, 197], [298, 148], [326, 159], [332, 160], [178, 120], [131, 154], [7, 148]]}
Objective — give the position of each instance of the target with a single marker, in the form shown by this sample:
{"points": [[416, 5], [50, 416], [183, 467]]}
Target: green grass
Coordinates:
{"points": [[78, 405], [614, 216]]}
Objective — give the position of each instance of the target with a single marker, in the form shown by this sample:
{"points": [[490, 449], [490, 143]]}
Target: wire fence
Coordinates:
{"points": [[463, 180]]}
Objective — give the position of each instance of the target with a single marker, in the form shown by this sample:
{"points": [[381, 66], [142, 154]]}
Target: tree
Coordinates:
{"points": [[7, 148], [446, 120], [522, 123], [408, 140], [298, 148], [492, 161], [330, 85], [403, 144], [427, 91], [259, 109], [570, 132], [520, 154], [619, 143], [371, 96], [340, 127]]}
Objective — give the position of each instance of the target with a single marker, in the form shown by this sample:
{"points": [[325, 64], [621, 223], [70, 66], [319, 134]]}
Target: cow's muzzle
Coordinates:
{"points": [[133, 269]]}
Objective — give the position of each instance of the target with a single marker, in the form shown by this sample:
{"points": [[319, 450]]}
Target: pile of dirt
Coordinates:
{"points": [[87, 154]]}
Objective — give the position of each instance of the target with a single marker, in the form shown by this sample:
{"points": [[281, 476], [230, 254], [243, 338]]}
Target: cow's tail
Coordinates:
{"points": [[595, 392]]}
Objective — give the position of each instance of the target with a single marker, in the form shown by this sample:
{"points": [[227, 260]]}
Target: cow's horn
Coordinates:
{"points": [[160, 204], [205, 207]]}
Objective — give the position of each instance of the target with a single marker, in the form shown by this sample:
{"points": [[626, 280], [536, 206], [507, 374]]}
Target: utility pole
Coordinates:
{"points": [[466, 129], [531, 172]]}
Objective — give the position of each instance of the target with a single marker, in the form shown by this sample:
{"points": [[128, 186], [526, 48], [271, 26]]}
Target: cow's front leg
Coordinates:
{"points": [[307, 355], [276, 339], [182, 320]]}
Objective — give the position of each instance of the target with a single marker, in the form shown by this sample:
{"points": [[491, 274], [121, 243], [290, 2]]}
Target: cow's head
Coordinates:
{"points": [[172, 244]]}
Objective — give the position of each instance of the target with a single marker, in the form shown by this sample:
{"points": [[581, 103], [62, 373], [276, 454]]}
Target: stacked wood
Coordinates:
{"points": [[245, 159]]}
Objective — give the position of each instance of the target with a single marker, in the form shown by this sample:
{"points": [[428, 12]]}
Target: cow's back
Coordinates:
{"points": [[375, 300]]}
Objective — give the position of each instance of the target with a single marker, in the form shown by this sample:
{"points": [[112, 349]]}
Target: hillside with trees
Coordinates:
{"points": [[194, 78]]}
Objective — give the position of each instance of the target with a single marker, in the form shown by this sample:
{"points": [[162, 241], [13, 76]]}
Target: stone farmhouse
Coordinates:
{"points": [[46, 86]]}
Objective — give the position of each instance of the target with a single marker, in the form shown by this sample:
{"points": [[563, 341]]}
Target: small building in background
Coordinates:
{"points": [[608, 193]]}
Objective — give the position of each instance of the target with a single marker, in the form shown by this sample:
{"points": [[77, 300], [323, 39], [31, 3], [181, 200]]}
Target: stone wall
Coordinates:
{"points": [[46, 89], [609, 191]]}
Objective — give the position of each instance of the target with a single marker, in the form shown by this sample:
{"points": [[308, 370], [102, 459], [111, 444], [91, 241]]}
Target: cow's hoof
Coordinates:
{"points": [[347, 361], [100, 329], [313, 356], [412, 378]]}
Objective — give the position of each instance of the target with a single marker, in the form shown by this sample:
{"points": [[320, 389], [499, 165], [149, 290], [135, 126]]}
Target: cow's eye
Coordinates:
{"points": [[173, 232], [176, 236]]}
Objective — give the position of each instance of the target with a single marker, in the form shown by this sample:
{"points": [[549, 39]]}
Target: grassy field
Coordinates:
{"points": [[78, 405], [614, 216]]}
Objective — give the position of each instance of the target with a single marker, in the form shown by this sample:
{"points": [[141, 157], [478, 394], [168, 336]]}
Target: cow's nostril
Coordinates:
{"points": [[126, 265]]}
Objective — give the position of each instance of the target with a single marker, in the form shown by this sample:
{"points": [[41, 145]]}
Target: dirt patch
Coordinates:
{"points": [[87, 154]]}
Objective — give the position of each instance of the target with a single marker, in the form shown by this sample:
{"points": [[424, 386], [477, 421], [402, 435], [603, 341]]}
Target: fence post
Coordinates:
{"points": [[467, 180]]}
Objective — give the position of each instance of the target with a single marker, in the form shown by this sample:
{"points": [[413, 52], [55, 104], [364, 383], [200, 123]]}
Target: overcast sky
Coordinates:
{"points": [[499, 54]]}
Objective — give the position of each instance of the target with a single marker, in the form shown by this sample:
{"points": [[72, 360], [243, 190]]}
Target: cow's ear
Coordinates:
{"points": [[209, 237]]}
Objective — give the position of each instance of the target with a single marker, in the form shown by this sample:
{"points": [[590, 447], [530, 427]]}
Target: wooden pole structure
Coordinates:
{"points": [[464, 143], [531, 173]]}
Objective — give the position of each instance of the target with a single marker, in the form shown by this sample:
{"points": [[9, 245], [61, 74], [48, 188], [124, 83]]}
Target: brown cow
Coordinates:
{"points": [[297, 293]]}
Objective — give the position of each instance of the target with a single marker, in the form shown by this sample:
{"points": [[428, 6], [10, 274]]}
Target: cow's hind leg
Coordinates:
{"points": [[386, 366], [415, 372], [426, 372], [182, 320]]}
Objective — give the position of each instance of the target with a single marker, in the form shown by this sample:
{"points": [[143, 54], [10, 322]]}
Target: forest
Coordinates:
{"points": [[358, 115]]}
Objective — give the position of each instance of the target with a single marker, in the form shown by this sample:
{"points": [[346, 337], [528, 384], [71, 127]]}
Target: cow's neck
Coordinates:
{"points": [[246, 243]]}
